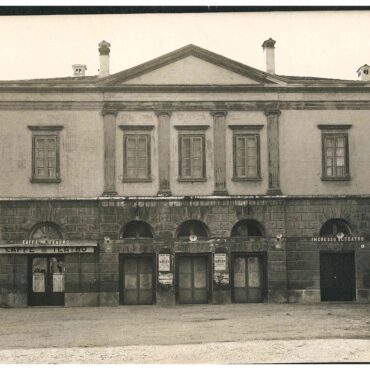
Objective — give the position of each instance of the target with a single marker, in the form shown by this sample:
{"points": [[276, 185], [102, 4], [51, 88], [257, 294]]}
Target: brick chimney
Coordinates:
{"points": [[363, 73], [269, 48], [104, 50], [79, 70]]}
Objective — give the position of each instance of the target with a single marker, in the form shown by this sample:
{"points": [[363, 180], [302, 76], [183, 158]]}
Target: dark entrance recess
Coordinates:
{"points": [[46, 280], [193, 279], [137, 278], [248, 278], [337, 276]]}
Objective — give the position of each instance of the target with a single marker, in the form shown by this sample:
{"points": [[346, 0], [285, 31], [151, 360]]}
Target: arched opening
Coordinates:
{"points": [[245, 228], [193, 229], [137, 230], [46, 230], [335, 226]]}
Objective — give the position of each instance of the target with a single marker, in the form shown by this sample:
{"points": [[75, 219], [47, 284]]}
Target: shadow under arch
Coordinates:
{"points": [[192, 227], [46, 230], [334, 226], [247, 227], [136, 230]]}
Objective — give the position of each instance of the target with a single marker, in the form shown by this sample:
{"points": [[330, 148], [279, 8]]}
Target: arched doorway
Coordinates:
{"points": [[248, 268], [137, 271], [337, 269], [193, 268], [47, 271]]}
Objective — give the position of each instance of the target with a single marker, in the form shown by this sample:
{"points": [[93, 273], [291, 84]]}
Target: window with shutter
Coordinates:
{"points": [[246, 152], [136, 157], [45, 153], [335, 157], [192, 157]]}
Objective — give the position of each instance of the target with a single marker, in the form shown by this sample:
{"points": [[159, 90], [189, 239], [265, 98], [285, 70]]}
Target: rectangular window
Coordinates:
{"points": [[45, 153], [246, 156], [192, 157], [246, 152], [136, 157], [335, 156]]}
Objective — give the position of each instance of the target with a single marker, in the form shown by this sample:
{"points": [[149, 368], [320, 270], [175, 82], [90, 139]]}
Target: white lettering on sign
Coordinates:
{"points": [[220, 261], [41, 250], [45, 242], [335, 239], [165, 278], [164, 262]]}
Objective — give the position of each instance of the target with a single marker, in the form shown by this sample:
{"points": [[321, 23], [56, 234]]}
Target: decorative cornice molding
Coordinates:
{"points": [[109, 111], [170, 106], [191, 127], [136, 127], [218, 113], [163, 113], [334, 127], [46, 128], [272, 112], [245, 127]]}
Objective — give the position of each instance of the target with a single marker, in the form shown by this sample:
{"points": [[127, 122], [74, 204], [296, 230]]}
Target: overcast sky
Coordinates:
{"points": [[323, 44]]}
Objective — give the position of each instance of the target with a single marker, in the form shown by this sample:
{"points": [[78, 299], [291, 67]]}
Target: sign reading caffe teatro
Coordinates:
{"points": [[44, 246]]}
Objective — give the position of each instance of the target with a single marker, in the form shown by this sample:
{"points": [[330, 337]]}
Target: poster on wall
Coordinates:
{"points": [[220, 261], [164, 262]]}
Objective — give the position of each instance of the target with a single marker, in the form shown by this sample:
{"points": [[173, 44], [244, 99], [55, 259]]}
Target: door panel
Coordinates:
{"points": [[247, 279], [337, 277], [47, 281], [193, 279], [137, 280]]}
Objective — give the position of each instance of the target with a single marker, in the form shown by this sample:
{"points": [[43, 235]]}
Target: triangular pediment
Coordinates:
{"points": [[191, 65]]}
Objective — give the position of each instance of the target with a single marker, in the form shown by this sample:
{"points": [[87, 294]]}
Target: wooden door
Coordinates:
{"points": [[46, 280], [137, 280], [247, 279], [193, 279], [337, 276]]}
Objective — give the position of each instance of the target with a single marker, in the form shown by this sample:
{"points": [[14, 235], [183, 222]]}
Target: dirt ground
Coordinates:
{"points": [[252, 333]]}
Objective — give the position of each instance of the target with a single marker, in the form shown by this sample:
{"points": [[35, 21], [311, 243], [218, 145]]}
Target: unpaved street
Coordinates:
{"points": [[187, 334]]}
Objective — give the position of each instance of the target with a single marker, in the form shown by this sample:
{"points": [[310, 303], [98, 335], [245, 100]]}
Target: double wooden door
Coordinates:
{"points": [[46, 280], [193, 279], [247, 278], [137, 280]]}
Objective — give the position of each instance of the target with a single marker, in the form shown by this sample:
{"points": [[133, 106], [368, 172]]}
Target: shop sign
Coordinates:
{"points": [[220, 261], [44, 249], [48, 242], [164, 262], [338, 238], [165, 278]]}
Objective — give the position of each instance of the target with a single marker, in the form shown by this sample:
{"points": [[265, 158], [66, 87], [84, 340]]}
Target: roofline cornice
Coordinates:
{"points": [[171, 106], [324, 88]]}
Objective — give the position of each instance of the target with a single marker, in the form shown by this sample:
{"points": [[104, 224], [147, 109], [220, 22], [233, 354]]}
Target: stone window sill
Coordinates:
{"points": [[192, 180], [45, 181], [343, 178], [246, 179], [136, 180]]}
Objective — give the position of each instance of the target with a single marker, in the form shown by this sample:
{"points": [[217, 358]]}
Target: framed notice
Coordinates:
{"points": [[164, 262], [220, 261]]}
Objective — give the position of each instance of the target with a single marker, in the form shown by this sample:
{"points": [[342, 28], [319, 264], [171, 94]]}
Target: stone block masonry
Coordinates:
{"points": [[292, 265]]}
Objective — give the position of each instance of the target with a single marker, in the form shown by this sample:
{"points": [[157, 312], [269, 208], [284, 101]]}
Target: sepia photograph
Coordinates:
{"points": [[185, 186]]}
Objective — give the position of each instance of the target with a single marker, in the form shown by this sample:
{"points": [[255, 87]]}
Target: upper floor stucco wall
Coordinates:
{"points": [[81, 153], [301, 152]]}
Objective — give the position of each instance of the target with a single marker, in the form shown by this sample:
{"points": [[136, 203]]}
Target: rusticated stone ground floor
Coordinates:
{"points": [[161, 251]]}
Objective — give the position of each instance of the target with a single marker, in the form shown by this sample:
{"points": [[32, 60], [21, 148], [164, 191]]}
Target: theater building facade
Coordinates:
{"points": [[189, 179]]}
